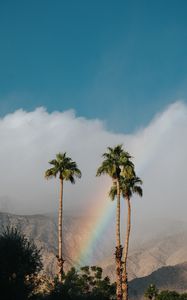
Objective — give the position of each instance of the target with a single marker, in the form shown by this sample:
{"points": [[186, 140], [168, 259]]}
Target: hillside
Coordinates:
{"points": [[164, 250], [43, 230], [165, 278], [152, 255]]}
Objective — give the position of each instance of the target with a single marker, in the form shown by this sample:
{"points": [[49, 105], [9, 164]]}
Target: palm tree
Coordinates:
{"points": [[116, 161], [67, 170], [128, 186]]}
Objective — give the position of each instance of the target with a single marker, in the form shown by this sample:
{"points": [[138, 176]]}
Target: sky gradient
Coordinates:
{"points": [[119, 61]]}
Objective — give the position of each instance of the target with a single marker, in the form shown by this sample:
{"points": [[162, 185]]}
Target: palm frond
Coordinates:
{"points": [[53, 162], [138, 190], [138, 181], [60, 156], [71, 179], [50, 173], [113, 192], [77, 173], [128, 186]]}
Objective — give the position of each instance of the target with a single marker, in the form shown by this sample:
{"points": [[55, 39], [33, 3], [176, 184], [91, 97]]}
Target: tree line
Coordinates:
{"points": [[153, 293]]}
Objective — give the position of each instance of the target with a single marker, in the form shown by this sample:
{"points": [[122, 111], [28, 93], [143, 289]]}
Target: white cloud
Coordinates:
{"points": [[30, 139]]}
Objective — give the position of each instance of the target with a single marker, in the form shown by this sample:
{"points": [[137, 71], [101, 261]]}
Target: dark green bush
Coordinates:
{"points": [[20, 261], [86, 284]]}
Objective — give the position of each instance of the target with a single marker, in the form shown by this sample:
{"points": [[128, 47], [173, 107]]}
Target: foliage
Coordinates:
{"points": [[151, 292], [64, 167], [128, 186], [86, 284], [168, 295], [20, 262], [116, 162]]}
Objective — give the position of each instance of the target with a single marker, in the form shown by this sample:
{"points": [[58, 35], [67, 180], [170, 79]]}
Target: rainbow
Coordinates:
{"points": [[98, 227], [104, 210]]}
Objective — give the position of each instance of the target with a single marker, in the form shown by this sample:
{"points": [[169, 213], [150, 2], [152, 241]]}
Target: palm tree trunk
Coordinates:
{"points": [[126, 248], [118, 253], [60, 258]]}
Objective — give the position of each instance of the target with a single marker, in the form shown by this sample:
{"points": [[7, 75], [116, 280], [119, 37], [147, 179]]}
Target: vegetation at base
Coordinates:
{"points": [[20, 266], [153, 293], [86, 284], [20, 262]]}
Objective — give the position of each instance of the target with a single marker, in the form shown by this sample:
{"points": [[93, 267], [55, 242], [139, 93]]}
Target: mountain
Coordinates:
{"points": [[76, 234], [165, 278], [144, 259], [160, 250]]}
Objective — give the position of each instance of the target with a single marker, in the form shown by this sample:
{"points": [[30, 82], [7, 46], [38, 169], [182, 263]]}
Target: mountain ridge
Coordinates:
{"points": [[145, 258]]}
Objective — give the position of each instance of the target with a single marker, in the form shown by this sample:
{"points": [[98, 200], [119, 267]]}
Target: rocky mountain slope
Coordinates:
{"points": [[152, 255], [165, 278], [165, 249], [43, 230]]}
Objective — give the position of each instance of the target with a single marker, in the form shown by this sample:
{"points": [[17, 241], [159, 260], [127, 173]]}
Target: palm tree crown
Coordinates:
{"points": [[116, 161], [64, 167], [128, 186]]}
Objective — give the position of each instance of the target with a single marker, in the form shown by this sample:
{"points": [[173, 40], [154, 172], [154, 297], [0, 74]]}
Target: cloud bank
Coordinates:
{"points": [[30, 139]]}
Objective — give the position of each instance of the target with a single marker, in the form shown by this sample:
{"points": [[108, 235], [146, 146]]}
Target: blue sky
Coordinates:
{"points": [[120, 61]]}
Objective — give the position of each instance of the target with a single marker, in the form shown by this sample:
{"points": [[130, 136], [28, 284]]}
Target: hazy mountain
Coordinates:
{"points": [[152, 247], [148, 257], [165, 278], [76, 231]]}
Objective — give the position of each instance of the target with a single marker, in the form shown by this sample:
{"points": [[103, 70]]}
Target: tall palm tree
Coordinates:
{"points": [[67, 170], [116, 161], [128, 186]]}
